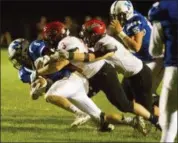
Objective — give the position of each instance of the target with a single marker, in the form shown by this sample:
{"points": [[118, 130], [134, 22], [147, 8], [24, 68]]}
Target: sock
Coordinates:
{"points": [[75, 110], [154, 120]]}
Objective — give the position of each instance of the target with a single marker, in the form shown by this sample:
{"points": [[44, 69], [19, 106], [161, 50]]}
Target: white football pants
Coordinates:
{"points": [[169, 104], [157, 69], [75, 89]]}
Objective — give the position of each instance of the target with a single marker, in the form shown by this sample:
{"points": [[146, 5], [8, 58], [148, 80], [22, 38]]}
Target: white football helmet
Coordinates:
{"points": [[18, 52], [122, 10]]}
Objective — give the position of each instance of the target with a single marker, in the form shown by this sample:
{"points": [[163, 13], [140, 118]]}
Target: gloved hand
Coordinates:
{"points": [[63, 54], [38, 87], [42, 61]]}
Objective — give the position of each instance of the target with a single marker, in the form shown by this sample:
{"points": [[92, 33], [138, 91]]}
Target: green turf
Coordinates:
{"points": [[25, 120]]}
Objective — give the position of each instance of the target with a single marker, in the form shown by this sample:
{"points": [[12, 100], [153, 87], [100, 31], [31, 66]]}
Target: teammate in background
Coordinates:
{"points": [[134, 30], [106, 47], [18, 56], [164, 40]]}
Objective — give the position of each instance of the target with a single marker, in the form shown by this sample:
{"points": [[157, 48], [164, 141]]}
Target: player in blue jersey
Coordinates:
{"points": [[164, 39], [134, 31], [18, 54]]}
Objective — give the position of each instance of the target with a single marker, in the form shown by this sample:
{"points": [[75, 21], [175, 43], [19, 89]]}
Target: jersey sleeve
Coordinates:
{"points": [[137, 26], [109, 48], [104, 49], [72, 43], [159, 10], [36, 49], [25, 75]]}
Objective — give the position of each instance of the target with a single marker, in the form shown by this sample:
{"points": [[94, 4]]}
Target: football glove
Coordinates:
{"points": [[42, 61], [38, 87]]}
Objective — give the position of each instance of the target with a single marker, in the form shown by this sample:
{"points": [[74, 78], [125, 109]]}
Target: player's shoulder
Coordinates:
{"points": [[153, 11], [36, 44], [71, 43], [137, 17], [107, 40], [70, 39]]}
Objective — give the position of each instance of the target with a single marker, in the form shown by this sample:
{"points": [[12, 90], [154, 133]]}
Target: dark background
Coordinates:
{"points": [[18, 16]]}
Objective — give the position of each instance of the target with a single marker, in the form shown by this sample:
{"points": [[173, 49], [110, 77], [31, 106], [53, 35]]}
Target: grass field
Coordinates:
{"points": [[25, 120]]}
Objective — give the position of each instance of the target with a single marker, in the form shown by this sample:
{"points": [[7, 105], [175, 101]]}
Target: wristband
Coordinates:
{"points": [[86, 57], [122, 35]]}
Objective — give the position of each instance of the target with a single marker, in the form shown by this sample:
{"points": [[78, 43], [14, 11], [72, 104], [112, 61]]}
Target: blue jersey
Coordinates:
{"points": [[166, 12], [25, 74], [135, 25], [36, 50]]}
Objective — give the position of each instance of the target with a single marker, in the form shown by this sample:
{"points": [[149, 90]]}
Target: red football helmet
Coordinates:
{"points": [[92, 31], [53, 32]]}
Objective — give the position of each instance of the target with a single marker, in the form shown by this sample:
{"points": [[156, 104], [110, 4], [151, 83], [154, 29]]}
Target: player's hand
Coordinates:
{"points": [[60, 54], [64, 54], [42, 61], [116, 26], [38, 87]]}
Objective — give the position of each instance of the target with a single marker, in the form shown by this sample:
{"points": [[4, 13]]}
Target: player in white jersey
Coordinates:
{"points": [[95, 71], [164, 39], [132, 68], [134, 30], [74, 88]]}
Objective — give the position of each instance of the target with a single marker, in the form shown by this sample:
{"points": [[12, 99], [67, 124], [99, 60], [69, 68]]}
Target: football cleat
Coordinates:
{"points": [[105, 126], [80, 120], [140, 125]]}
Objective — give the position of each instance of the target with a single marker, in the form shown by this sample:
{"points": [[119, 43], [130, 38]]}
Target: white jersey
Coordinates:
{"points": [[88, 69], [123, 60]]}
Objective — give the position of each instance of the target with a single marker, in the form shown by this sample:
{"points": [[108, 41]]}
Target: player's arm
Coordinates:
{"points": [[44, 65], [85, 57], [89, 57], [37, 84], [135, 42]]}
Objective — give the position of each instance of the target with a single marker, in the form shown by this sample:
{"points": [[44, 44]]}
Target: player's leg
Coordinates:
{"points": [[83, 102], [116, 95], [57, 95], [155, 105], [157, 71], [140, 86], [168, 105]]}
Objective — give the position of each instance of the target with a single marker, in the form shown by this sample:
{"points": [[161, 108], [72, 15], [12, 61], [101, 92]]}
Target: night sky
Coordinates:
{"points": [[15, 15]]}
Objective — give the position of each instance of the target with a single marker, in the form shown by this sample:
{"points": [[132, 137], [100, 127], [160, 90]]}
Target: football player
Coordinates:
{"points": [[133, 30], [18, 55], [96, 72], [106, 47], [164, 39]]}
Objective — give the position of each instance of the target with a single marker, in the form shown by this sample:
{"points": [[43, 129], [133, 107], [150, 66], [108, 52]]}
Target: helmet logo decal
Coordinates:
{"points": [[128, 4], [16, 45]]}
